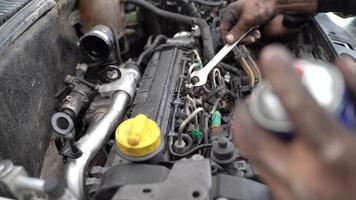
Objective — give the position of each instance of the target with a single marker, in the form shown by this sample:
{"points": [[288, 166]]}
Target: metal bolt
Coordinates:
{"points": [[85, 99], [222, 142], [227, 77], [91, 110], [197, 157], [179, 146], [112, 74], [69, 98]]}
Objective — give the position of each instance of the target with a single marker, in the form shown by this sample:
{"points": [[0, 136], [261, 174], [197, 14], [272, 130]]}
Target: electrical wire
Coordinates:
{"points": [[197, 148], [253, 64], [249, 71], [117, 47], [239, 55], [209, 3]]}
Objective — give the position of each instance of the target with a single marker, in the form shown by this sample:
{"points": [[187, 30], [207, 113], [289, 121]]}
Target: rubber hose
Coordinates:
{"points": [[208, 3], [150, 49], [208, 49]]}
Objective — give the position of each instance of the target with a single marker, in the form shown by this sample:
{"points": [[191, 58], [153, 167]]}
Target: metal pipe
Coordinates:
{"points": [[92, 141], [98, 42], [186, 122], [30, 183]]}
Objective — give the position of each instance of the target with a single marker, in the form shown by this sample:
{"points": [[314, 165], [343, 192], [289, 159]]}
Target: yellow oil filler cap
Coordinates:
{"points": [[138, 137]]}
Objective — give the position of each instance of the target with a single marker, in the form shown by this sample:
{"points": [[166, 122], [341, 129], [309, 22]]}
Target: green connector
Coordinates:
{"points": [[216, 119], [197, 134]]}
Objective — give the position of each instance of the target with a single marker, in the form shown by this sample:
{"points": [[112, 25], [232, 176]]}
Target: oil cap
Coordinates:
{"points": [[138, 137]]}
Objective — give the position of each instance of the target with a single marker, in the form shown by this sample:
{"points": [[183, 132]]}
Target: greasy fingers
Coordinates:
{"points": [[310, 121], [347, 66], [262, 148], [252, 37], [237, 31], [257, 143], [233, 25], [241, 15]]}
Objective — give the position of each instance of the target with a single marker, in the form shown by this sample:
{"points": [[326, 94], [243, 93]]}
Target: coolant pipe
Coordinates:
{"points": [[208, 49], [92, 141]]}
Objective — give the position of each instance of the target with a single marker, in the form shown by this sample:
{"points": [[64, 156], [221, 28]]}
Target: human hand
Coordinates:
{"points": [[244, 14], [241, 15], [320, 162], [275, 28]]}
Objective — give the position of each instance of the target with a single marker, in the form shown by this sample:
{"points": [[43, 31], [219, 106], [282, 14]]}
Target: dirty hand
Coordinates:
{"points": [[320, 162], [244, 14]]}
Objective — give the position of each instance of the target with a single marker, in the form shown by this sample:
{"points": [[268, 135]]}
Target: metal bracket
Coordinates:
{"points": [[127, 83]]}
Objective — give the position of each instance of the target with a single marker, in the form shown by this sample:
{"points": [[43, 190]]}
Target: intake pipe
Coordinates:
{"points": [[98, 42], [122, 92]]}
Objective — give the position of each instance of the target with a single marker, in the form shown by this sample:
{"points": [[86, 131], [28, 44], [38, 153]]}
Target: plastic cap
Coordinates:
{"points": [[138, 136]]}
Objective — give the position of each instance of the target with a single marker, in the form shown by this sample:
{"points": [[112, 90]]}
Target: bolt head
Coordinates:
{"points": [[223, 142], [112, 74], [179, 146], [69, 98]]}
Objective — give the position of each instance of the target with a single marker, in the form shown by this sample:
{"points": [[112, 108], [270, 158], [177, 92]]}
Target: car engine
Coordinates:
{"points": [[128, 122]]}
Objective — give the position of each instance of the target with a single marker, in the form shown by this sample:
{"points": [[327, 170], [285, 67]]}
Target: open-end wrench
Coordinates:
{"points": [[200, 77]]}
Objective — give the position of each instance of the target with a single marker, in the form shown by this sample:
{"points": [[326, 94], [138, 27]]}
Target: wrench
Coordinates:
{"points": [[201, 76]]}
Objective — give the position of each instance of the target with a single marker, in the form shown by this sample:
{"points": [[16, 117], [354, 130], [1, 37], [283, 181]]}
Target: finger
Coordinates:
{"points": [[256, 34], [310, 121], [252, 37], [268, 154], [257, 143], [347, 66], [227, 23], [248, 40], [237, 31]]}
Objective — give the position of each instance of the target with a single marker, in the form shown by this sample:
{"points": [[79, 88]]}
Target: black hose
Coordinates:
{"points": [[150, 49], [208, 49], [197, 148], [208, 3], [231, 68], [117, 47]]}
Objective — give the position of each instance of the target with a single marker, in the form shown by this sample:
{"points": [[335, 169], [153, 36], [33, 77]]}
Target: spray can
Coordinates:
{"points": [[325, 84]]}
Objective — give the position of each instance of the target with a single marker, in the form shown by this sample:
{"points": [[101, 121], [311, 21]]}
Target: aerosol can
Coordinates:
{"points": [[326, 85]]}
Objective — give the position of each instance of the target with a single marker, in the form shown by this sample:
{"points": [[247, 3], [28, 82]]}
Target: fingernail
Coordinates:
{"points": [[258, 35], [252, 39], [230, 38]]}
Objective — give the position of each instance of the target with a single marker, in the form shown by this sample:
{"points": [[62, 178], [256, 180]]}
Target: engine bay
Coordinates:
{"points": [[128, 123]]}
